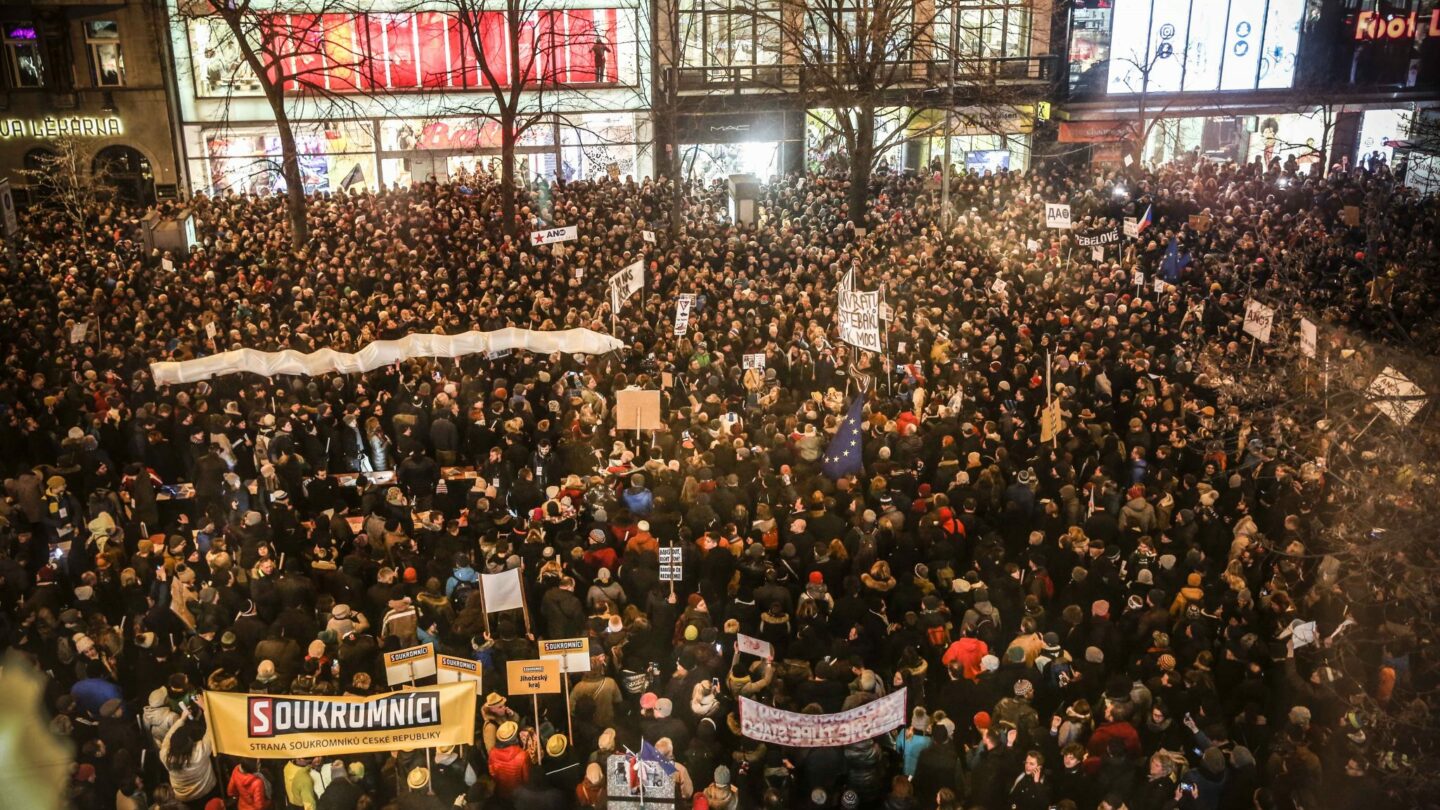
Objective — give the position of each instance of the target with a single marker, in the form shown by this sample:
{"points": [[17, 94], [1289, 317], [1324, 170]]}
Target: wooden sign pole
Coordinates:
{"points": [[540, 744]]}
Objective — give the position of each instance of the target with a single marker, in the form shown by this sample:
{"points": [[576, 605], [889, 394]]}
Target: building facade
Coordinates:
{"points": [[89, 77], [393, 97], [1337, 81], [605, 87]]}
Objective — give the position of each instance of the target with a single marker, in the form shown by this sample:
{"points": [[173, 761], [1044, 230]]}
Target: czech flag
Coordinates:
{"points": [[1145, 220]]}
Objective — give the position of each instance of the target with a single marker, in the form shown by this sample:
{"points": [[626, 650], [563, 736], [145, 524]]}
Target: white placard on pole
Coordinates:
{"points": [[550, 236], [1309, 337], [1057, 215], [753, 646]]}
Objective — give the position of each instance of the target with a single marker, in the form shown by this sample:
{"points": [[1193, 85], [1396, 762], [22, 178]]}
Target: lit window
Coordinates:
{"points": [[22, 55], [107, 63]]}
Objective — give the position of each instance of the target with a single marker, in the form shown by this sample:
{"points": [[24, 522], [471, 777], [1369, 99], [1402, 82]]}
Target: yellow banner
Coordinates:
{"points": [[285, 726]]}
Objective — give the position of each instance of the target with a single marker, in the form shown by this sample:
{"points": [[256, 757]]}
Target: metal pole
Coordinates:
{"points": [[949, 112]]}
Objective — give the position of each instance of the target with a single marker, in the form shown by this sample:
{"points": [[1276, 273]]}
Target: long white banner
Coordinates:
{"points": [[779, 727], [382, 353]]}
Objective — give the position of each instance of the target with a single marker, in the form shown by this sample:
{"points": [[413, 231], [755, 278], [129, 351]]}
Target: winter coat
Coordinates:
{"points": [[510, 768]]}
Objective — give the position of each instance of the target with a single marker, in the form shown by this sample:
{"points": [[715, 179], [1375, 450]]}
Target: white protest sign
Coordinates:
{"points": [[1057, 215], [1132, 227], [753, 646], [682, 313], [1303, 633], [886, 313], [750, 361], [168, 264], [1396, 396], [410, 664], [1258, 320], [779, 727], [78, 332], [648, 236], [502, 591], [626, 283], [550, 236], [1309, 337], [210, 330], [672, 561], [1159, 285], [999, 286], [1129, 160], [1097, 253], [859, 319], [1137, 277], [1032, 245], [454, 669], [574, 653]]}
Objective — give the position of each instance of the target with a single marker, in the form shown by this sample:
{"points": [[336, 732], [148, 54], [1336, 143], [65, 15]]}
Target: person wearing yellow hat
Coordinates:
{"points": [[496, 714], [509, 761], [562, 769], [418, 779]]}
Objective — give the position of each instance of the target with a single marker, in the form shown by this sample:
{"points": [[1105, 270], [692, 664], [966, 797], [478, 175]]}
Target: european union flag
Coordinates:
{"points": [[649, 754], [1173, 262], [842, 455]]}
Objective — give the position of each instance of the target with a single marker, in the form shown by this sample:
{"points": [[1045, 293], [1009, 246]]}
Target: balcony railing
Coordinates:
{"points": [[918, 73]]}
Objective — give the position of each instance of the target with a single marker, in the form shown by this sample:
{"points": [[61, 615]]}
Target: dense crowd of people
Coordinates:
{"points": [[1103, 620]]}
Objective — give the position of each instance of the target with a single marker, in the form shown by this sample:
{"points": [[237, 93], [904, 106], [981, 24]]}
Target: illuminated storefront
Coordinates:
{"points": [[1127, 47], [392, 98]]}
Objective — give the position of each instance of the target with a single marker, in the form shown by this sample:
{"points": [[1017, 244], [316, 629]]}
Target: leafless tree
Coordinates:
{"points": [[66, 180], [292, 60], [859, 63], [525, 54]]}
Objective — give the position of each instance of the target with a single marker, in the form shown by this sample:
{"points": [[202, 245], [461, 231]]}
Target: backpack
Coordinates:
{"points": [[938, 635], [461, 595]]}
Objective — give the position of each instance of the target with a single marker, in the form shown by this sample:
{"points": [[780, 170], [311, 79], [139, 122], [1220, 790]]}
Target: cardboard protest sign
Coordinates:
{"points": [[410, 664], [550, 236], [1309, 337], [572, 653], [753, 646], [286, 726], [503, 591], [1396, 396], [637, 410], [1259, 320], [1051, 422], [779, 727], [1350, 215], [540, 676]]}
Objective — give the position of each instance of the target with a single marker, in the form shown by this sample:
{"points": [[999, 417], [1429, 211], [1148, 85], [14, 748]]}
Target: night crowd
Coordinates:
{"points": [[1115, 618]]}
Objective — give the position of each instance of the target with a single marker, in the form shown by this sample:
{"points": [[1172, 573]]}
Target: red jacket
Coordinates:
{"points": [[248, 790], [510, 767], [1099, 743], [968, 651]]}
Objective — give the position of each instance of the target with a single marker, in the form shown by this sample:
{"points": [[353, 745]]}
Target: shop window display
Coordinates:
{"points": [[359, 53]]}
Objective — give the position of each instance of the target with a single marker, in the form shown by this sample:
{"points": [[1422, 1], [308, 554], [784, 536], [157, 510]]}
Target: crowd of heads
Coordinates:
{"points": [[1118, 615]]}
